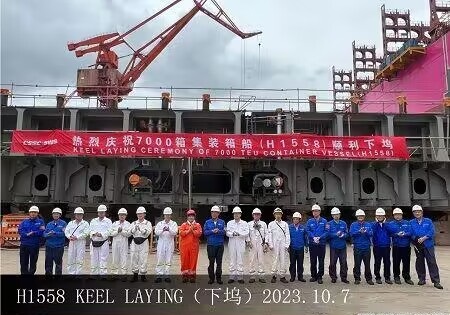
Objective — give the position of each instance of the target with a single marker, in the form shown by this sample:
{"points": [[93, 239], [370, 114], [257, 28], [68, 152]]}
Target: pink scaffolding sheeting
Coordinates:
{"points": [[423, 82]]}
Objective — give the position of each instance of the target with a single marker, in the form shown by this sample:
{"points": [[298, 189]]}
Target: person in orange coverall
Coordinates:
{"points": [[190, 232]]}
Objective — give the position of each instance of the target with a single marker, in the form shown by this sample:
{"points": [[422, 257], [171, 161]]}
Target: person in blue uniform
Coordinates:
{"points": [[30, 231], [400, 231], [422, 230], [381, 247], [54, 243], [214, 230], [361, 233], [337, 234], [317, 243], [299, 244]]}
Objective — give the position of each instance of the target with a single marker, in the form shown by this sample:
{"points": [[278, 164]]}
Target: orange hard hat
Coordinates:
{"points": [[190, 212]]}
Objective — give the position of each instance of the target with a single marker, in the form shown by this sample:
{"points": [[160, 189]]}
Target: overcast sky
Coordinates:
{"points": [[299, 45]]}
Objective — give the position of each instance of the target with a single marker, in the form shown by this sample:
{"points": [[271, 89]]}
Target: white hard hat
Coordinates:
{"points": [[140, 210], [256, 211], [237, 210], [57, 210], [167, 210], [79, 210], [33, 209], [417, 208], [101, 208], [380, 211], [277, 210], [359, 212], [315, 207], [297, 215], [335, 210], [122, 211], [215, 209], [397, 211]]}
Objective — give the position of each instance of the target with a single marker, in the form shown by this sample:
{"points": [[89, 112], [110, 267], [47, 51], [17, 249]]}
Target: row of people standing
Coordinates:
{"points": [[380, 235], [278, 236], [100, 229]]}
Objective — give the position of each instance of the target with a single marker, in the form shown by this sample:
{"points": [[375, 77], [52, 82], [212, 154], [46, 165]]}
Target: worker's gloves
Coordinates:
{"points": [[421, 239], [316, 239], [401, 233]]}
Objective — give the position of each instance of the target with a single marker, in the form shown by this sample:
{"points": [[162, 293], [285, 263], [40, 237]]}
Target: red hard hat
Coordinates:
{"points": [[190, 212]]}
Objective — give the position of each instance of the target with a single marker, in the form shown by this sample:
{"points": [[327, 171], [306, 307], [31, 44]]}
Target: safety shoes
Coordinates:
{"points": [[437, 285], [135, 277]]}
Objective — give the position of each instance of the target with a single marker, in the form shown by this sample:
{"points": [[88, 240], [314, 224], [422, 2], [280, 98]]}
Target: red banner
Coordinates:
{"points": [[221, 146]]}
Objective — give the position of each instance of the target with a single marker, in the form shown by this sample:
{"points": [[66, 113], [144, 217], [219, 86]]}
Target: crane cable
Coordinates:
{"points": [[259, 59]]}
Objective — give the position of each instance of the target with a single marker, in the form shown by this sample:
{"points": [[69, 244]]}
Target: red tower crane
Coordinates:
{"points": [[106, 82]]}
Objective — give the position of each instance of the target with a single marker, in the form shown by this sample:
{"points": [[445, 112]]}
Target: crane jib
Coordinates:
{"points": [[106, 82]]}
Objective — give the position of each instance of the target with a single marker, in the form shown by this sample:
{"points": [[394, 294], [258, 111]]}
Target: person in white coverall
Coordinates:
{"points": [[257, 241], [166, 231], [76, 231], [279, 241], [100, 229], [120, 232], [141, 230], [237, 231]]}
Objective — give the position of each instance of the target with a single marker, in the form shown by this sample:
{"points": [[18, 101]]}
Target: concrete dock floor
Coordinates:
{"points": [[377, 299]]}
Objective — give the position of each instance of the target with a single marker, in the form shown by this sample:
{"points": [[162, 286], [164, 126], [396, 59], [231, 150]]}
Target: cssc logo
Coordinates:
{"points": [[37, 142]]}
